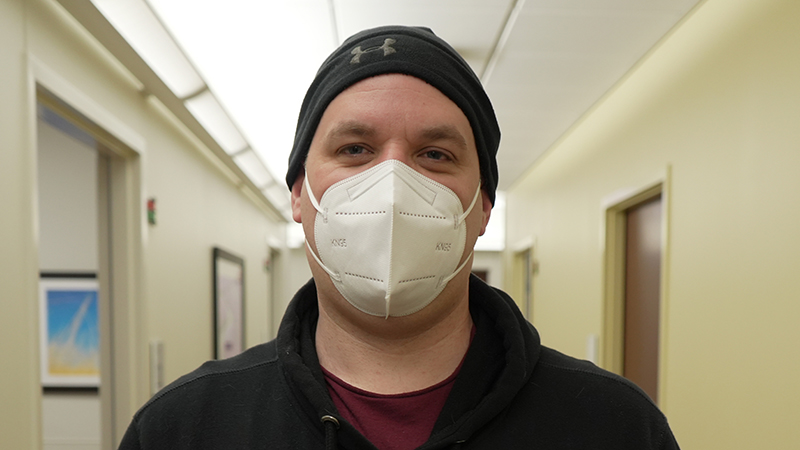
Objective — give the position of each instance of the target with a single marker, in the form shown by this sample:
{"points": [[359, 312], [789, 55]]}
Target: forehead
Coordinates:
{"points": [[395, 98]]}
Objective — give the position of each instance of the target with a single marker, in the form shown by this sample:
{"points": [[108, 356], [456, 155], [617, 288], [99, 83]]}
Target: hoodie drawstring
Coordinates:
{"points": [[331, 426]]}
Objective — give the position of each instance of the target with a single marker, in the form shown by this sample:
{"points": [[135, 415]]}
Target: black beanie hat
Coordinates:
{"points": [[414, 51]]}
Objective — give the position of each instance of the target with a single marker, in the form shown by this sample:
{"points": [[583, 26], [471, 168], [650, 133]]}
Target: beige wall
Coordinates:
{"points": [[492, 262], [68, 241], [19, 397], [67, 200], [714, 110], [292, 273], [199, 207]]}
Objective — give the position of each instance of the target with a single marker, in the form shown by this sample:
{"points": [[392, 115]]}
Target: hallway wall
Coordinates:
{"points": [[19, 395], [713, 110], [67, 197], [199, 206]]}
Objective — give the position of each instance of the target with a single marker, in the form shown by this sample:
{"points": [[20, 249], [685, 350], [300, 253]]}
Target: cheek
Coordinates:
{"points": [[479, 216], [486, 211], [474, 225]]}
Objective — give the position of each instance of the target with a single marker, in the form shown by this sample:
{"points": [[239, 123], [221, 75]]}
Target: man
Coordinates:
{"points": [[394, 345]]}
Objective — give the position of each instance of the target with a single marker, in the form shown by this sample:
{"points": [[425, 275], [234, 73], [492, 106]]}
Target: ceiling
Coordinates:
{"points": [[544, 63]]}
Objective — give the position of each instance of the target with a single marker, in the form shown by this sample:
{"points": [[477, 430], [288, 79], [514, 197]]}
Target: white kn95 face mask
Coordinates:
{"points": [[390, 238]]}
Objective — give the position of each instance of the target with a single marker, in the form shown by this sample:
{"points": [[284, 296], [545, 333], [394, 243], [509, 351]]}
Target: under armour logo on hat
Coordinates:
{"points": [[386, 47]]}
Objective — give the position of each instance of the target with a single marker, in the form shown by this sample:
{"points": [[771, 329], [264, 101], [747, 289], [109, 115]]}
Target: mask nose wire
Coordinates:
{"points": [[333, 275]]}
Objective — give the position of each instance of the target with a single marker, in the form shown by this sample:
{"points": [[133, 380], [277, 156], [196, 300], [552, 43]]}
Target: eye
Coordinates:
{"points": [[353, 150], [436, 155]]}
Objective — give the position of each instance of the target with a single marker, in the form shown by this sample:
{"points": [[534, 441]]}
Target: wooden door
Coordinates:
{"points": [[642, 295]]}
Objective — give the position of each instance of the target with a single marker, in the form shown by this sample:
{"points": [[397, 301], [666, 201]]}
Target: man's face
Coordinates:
{"points": [[393, 117]]}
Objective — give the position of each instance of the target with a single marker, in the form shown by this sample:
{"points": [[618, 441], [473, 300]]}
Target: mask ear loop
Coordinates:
{"points": [[447, 279], [459, 220], [334, 276], [314, 200], [463, 217]]}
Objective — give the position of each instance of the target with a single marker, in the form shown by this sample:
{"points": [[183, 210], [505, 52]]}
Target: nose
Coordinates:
{"points": [[399, 150]]}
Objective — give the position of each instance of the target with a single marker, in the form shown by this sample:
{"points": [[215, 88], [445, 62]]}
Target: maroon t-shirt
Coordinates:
{"points": [[392, 422]]}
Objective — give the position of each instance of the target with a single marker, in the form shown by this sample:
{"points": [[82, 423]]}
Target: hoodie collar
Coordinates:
{"points": [[498, 364]]}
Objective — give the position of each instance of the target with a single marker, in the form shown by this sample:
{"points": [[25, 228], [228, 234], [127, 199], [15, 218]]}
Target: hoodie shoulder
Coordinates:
{"points": [[251, 359], [223, 394], [211, 383], [595, 406], [584, 373]]}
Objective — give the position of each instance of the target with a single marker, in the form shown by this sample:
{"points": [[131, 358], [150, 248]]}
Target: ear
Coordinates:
{"points": [[486, 206], [297, 191]]}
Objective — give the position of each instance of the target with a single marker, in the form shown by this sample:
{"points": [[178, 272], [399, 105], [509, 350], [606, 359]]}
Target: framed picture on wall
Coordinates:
{"points": [[228, 304], [70, 331]]}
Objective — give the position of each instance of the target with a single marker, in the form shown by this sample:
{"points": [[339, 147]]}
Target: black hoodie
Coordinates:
{"points": [[511, 393]]}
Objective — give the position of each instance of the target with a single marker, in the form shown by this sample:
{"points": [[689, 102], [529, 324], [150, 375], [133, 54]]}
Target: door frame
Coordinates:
{"points": [[615, 208], [520, 279], [123, 378]]}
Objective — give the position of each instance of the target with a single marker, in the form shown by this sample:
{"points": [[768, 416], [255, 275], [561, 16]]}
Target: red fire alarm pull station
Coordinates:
{"points": [[151, 210]]}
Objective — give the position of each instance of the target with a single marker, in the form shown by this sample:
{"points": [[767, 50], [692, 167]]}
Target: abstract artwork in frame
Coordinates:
{"points": [[228, 304], [70, 336]]}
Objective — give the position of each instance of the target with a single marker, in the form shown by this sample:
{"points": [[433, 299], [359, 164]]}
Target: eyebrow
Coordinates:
{"points": [[351, 128], [354, 128], [445, 132]]}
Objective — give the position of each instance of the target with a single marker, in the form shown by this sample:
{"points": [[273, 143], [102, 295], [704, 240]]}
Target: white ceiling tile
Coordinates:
{"points": [[610, 32], [600, 5], [560, 57]]}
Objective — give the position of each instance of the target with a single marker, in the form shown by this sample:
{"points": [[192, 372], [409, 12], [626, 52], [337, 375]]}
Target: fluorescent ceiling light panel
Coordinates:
{"points": [[258, 57], [135, 21], [207, 110], [252, 166]]}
